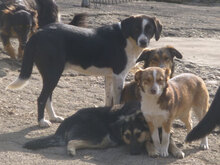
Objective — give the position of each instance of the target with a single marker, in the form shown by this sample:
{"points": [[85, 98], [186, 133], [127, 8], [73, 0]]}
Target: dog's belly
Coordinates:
{"points": [[92, 70]]}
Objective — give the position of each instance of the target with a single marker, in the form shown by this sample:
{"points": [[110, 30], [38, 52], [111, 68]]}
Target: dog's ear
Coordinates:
{"points": [[137, 77], [144, 55], [174, 52], [126, 26], [167, 73], [158, 29]]}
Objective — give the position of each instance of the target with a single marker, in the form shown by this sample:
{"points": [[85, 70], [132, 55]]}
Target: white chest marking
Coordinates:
{"points": [[152, 111]]}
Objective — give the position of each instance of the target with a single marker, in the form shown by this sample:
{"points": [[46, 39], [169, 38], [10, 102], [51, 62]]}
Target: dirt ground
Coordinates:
{"points": [[181, 22]]}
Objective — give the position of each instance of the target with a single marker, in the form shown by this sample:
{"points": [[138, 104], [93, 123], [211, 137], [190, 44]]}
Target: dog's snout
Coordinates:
{"points": [[153, 91], [143, 43]]}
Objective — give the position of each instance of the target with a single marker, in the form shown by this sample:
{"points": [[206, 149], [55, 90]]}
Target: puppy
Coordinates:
{"points": [[164, 100], [209, 122], [160, 57], [20, 19], [88, 128], [136, 135], [109, 51]]}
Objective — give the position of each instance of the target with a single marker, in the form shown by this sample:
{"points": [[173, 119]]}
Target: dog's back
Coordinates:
{"points": [[189, 91]]}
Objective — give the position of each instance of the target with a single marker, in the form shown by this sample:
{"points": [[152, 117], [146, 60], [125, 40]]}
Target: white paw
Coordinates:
{"points": [[71, 151], [204, 146], [44, 123], [179, 155], [56, 119], [164, 152]]}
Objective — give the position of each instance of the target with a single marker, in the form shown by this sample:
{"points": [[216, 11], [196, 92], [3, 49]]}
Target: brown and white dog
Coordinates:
{"points": [[109, 51], [21, 18], [160, 57], [164, 100]]}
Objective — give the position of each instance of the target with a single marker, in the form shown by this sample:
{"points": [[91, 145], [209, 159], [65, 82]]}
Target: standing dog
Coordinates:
{"points": [[21, 18], [160, 57], [209, 122], [164, 100], [109, 51]]}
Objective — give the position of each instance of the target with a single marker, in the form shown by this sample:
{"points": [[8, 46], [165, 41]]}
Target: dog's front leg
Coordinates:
{"points": [[108, 91], [155, 137], [118, 82], [165, 143]]}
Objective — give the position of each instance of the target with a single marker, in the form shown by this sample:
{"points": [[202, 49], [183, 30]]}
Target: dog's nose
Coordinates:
{"points": [[153, 91], [143, 43]]}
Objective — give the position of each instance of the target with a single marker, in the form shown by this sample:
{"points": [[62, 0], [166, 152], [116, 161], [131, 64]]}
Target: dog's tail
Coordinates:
{"points": [[209, 122], [49, 141], [47, 12], [26, 68], [79, 20]]}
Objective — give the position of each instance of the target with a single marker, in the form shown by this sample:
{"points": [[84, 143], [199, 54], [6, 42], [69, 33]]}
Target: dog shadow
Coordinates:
{"points": [[7, 64], [14, 141]]}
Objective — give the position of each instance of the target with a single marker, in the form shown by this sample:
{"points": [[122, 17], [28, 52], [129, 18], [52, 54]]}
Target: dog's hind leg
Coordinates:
{"points": [[49, 83], [74, 145], [174, 150], [7, 46], [200, 108], [51, 113]]}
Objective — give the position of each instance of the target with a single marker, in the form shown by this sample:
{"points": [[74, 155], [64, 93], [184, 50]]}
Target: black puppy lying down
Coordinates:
{"points": [[103, 127]]}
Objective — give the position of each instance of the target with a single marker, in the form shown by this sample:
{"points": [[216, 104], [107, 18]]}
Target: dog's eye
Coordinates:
{"points": [[160, 79], [128, 136], [166, 58], [138, 134], [154, 59]]}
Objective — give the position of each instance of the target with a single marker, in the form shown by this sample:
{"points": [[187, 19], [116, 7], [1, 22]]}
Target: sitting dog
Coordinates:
{"points": [[109, 51], [136, 135], [160, 57], [20, 19], [164, 100], [209, 122]]}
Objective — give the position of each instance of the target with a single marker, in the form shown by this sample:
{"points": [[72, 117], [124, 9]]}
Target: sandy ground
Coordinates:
{"points": [[193, 29]]}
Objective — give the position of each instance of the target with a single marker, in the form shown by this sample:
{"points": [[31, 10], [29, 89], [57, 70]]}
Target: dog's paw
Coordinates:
{"points": [[180, 154], [71, 150], [153, 153], [164, 152], [204, 146], [57, 119], [44, 123]]}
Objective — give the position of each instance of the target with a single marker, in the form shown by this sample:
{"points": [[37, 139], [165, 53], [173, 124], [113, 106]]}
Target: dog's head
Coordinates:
{"points": [[141, 28], [135, 133], [152, 80], [160, 57]]}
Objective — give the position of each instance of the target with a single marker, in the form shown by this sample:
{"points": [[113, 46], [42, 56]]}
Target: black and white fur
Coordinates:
{"points": [[109, 51]]}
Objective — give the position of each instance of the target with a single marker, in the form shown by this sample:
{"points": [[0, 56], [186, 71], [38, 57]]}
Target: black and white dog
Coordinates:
{"points": [[110, 51]]}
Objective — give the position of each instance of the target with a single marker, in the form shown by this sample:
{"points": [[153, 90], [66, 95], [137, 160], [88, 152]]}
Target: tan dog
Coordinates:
{"points": [[160, 57], [164, 100]]}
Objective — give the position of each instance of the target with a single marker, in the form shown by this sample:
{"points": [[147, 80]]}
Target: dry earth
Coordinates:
{"points": [[18, 108]]}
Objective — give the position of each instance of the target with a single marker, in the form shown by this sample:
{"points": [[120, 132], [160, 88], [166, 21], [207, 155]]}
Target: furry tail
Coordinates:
{"points": [[47, 12], [209, 122], [79, 20], [26, 68], [49, 141]]}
